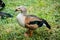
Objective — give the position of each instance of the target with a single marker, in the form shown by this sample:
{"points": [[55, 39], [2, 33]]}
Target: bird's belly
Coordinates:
{"points": [[21, 19]]}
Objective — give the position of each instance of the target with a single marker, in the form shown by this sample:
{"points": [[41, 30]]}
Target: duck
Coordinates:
{"points": [[30, 22]]}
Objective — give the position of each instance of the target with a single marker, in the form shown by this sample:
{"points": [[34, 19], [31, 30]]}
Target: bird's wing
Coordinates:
{"points": [[31, 18]]}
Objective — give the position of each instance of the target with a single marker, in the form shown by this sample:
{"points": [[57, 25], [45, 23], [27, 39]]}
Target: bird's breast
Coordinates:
{"points": [[21, 19]]}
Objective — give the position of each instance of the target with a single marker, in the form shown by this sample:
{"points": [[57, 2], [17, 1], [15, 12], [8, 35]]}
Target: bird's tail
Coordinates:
{"points": [[46, 23]]}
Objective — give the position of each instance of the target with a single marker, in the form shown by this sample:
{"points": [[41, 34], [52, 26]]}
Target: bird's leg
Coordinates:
{"points": [[2, 17], [30, 33], [26, 34]]}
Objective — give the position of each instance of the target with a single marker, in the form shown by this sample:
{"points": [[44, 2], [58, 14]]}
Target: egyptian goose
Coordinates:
{"points": [[31, 22]]}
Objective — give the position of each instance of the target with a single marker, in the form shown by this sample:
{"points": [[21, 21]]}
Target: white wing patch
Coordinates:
{"points": [[21, 19]]}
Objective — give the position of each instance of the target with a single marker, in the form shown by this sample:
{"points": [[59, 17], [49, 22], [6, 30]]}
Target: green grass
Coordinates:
{"points": [[46, 9]]}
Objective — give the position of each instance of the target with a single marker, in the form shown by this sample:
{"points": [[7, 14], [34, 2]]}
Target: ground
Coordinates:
{"points": [[46, 9]]}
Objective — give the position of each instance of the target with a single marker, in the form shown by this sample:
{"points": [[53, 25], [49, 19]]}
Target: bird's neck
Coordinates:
{"points": [[24, 13]]}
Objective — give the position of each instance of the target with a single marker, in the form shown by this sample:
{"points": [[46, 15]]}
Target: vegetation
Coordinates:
{"points": [[46, 9]]}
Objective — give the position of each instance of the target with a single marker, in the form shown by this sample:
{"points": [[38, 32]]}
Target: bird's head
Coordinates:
{"points": [[22, 9]]}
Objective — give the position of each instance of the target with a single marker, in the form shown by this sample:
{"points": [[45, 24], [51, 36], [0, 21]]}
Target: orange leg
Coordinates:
{"points": [[29, 33]]}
